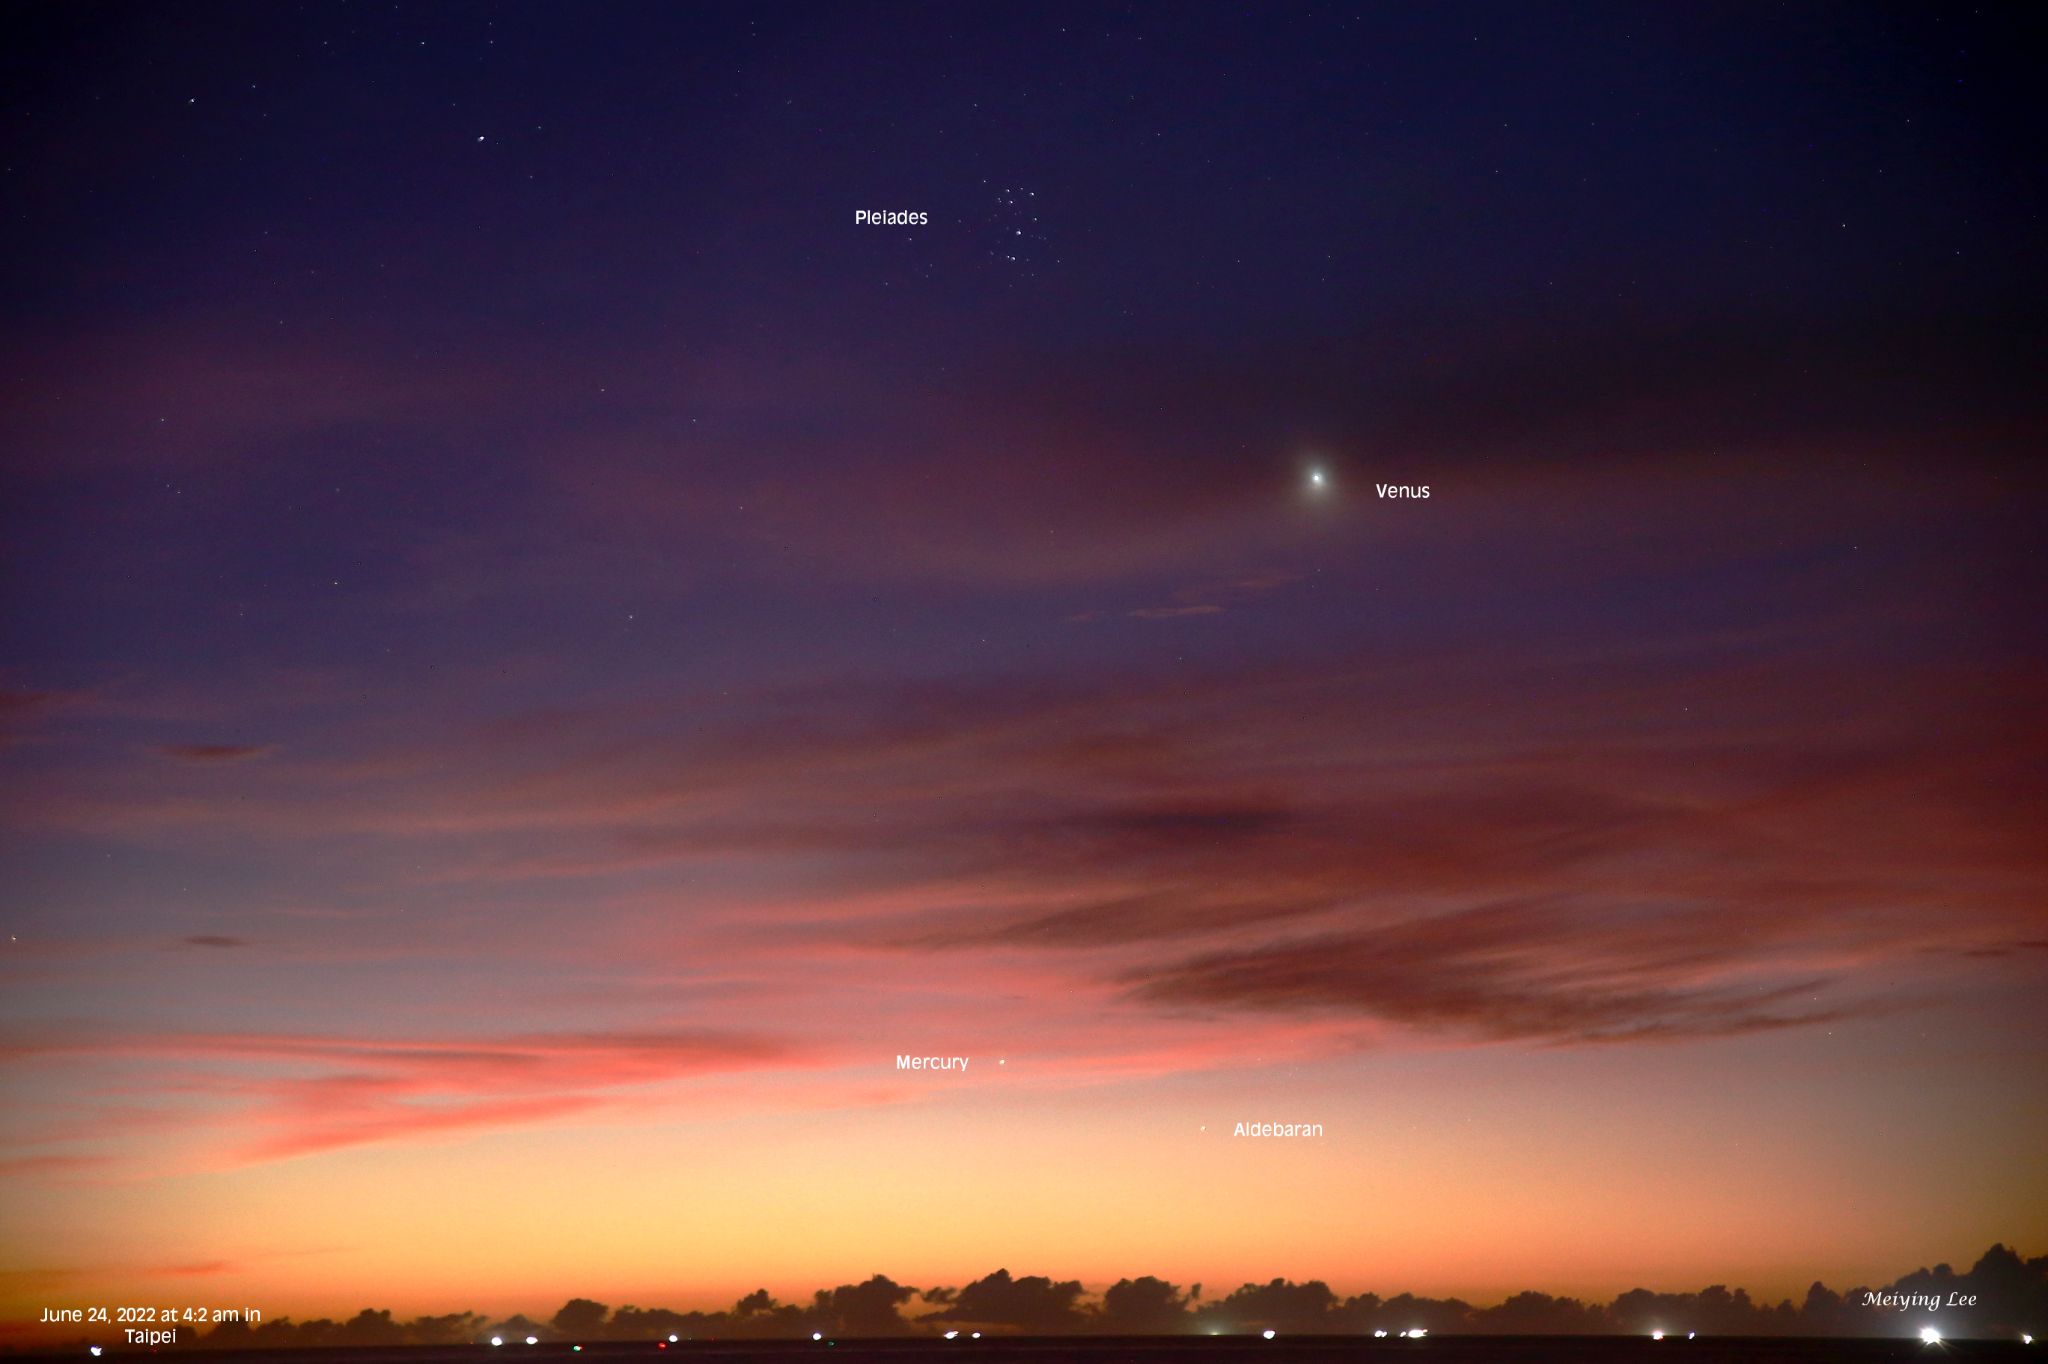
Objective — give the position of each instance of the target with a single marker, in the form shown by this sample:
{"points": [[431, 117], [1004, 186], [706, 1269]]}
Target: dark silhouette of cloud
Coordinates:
{"points": [[1034, 1305], [214, 940], [873, 1308], [1143, 1307], [2010, 1292], [651, 1323], [1536, 1314], [1280, 1305], [580, 1319]]}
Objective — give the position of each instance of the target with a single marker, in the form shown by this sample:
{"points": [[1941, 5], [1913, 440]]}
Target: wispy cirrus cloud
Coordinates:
{"points": [[1555, 974], [214, 753], [291, 1095], [1176, 612], [1533, 847]]}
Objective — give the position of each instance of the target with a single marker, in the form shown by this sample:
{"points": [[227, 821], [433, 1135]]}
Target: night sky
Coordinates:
{"points": [[537, 656]]}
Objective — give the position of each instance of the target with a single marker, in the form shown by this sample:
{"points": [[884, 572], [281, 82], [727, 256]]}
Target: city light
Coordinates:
{"points": [[1930, 1336], [1268, 1333]]}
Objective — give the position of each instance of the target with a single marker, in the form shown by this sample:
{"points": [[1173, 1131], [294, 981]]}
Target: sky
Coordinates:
{"points": [[537, 656]]}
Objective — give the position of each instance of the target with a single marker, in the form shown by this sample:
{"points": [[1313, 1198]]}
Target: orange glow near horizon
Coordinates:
{"points": [[1446, 1171]]}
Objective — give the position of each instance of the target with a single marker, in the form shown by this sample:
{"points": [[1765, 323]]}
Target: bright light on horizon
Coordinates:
{"points": [[1930, 1336]]}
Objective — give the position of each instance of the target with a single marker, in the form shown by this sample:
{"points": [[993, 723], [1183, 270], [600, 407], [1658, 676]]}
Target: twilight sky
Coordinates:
{"points": [[536, 656]]}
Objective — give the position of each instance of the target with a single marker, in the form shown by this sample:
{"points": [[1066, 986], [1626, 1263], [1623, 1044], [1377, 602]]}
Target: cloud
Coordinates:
{"points": [[299, 1095], [1515, 972], [18, 704], [1145, 1306], [1559, 845], [214, 753], [25, 711], [45, 1165], [1280, 1305], [1094, 469], [1034, 1305], [2005, 1293], [1213, 598], [1177, 612], [2004, 949], [872, 1308], [214, 940]]}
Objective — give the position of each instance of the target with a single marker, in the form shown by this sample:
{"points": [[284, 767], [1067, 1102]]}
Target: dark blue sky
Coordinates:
{"points": [[494, 563]]}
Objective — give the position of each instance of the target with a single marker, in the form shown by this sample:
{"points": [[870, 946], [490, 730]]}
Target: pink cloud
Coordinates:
{"points": [[298, 1095]]}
